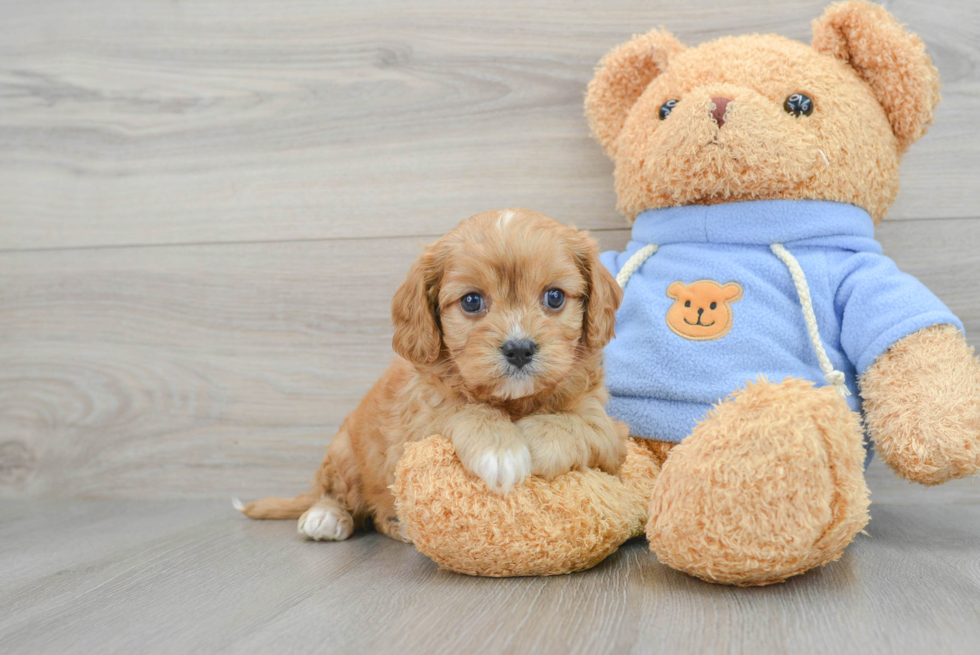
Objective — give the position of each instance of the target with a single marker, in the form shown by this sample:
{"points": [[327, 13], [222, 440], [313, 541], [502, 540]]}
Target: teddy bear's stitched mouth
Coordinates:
{"points": [[720, 144], [700, 323]]}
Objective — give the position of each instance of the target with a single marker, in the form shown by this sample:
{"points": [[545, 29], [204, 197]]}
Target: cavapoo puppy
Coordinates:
{"points": [[499, 329]]}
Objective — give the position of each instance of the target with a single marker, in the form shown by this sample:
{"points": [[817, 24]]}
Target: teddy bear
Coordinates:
{"points": [[764, 343], [762, 165]]}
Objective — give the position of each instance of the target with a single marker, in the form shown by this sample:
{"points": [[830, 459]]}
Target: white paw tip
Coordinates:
{"points": [[486, 468], [502, 471], [237, 504], [324, 525]]}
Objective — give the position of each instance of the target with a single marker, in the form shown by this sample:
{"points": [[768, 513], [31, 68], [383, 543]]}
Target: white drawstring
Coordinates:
{"points": [[635, 262], [830, 374]]}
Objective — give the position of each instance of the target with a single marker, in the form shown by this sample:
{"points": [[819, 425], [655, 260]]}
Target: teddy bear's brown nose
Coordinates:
{"points": [[718, 113]]}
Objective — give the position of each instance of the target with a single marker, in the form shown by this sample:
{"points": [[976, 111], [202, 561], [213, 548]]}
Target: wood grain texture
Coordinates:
{"points": [[149, 122], [194, 576]]}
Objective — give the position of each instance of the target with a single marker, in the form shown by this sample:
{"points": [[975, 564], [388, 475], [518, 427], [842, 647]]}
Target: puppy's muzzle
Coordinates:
{"points": [[519, 353]]}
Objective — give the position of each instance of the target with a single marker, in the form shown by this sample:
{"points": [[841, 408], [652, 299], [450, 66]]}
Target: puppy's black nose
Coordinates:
{"points": [[519, 353]]}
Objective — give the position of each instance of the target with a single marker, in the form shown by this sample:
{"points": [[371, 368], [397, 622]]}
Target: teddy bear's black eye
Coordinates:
{"points": [[666, 108], [798, 104], [687, 304], [472, 303], [714, 305]]}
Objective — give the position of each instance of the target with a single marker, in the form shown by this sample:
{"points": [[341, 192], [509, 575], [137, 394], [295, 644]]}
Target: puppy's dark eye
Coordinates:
{"points": [[666, 108], [798, 105], [687, 304], [714, 305], [554, 298], [472, 303]]}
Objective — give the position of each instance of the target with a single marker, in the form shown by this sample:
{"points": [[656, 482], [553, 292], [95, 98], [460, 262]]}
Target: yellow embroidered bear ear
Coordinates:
{"points": [[621, 78], [675, 289], [892, 61], [731, 292]]}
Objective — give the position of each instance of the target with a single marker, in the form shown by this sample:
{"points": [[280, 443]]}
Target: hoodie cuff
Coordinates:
{"points": [[890, 337]]}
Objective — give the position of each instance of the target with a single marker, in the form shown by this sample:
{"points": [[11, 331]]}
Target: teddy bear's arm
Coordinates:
{"points": [[922, 406]]}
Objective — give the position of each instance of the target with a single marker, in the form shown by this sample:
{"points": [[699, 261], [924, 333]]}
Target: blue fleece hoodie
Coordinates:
{"points": [[661, 382]]}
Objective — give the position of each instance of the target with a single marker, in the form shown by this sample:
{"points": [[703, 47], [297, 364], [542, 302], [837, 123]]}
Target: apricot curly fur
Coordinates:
{"points": [[657, 450], [453, 378]]}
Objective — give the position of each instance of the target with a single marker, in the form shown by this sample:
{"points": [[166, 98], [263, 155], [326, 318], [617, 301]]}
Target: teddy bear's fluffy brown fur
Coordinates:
{"points": [[770, 483], [877, 89], [711, 500], [540, 528]]}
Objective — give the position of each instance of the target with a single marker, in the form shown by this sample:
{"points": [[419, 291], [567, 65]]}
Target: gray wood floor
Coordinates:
{"points": [[193, 576]]}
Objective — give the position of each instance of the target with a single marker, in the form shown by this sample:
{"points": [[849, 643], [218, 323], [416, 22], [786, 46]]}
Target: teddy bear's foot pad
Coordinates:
{"points": [[769, 485]]}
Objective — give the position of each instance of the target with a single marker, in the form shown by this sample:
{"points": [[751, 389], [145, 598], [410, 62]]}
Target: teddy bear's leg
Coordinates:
{"points": [[922, 406], [768, 485]]}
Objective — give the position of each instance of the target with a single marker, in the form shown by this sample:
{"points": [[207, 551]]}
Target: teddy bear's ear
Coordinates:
{"points": [[894, 62], [622, 76]]}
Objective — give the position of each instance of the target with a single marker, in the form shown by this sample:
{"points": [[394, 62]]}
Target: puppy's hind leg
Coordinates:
{"points": [[339, 503], [387, 523], [323, 520], [326, 520]]}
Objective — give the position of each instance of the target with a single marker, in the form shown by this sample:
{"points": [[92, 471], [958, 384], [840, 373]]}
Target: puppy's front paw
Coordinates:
{"points": [[566, 442], [551, 457], [608, 455], [502, 468], [325, 524]]}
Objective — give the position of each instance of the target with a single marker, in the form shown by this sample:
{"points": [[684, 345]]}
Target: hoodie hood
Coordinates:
{"points": [[818, 223]]}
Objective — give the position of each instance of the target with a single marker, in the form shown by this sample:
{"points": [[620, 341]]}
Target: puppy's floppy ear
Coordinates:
{"points": [[892, 61], [604, 293], [621, 78], [414, 309]]}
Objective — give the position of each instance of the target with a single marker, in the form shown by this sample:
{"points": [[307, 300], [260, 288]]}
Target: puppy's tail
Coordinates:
{"points": [[275, 508]]}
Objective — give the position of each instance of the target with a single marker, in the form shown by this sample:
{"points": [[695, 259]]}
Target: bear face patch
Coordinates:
{"points": [[702, 310]]}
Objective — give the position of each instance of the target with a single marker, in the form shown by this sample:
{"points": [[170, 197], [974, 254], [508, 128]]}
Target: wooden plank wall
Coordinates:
{"points": [[206, 206]]}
